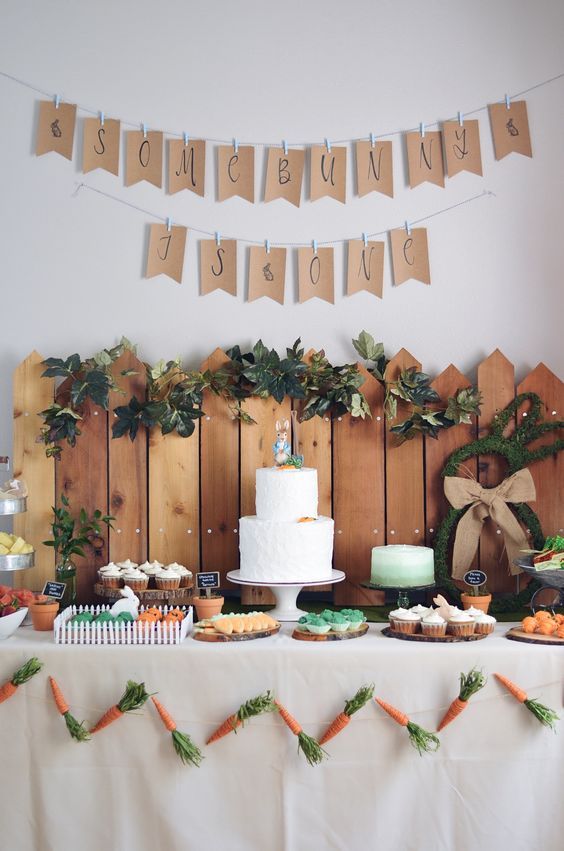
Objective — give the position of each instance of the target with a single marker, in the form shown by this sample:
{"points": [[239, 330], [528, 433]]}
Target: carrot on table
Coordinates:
{"points": [[310, 748], [542, 713], [255, 706], [183, 744], [21, 676], [76, 728], [470, 683], [422, 740], [133, 698], [340, 721]]}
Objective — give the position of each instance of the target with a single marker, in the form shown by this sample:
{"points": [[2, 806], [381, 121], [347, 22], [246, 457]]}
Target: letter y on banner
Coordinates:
{"points": [[410, 255]]}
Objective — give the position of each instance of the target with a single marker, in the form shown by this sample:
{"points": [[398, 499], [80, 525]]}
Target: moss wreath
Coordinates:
{"points": [[514, 449]]}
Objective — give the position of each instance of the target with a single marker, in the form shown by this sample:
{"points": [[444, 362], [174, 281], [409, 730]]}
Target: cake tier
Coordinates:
{"points": [[286, 552], [285, 495], [402, 566]]}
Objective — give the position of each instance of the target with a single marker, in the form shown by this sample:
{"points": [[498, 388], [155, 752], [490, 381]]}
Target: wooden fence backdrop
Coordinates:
{"points": [[178, 499]]}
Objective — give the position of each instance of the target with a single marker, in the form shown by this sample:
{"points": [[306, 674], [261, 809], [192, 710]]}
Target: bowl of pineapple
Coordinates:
{"points": [[15, 553]]}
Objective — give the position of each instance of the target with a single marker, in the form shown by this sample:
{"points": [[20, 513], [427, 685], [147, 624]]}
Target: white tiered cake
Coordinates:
{"points": [[286, 541]]}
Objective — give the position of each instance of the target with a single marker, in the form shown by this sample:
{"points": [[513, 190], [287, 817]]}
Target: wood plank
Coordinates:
{"points": [[256, 451], [127, 471], [405, 508], [219, 480], [32, 394], [359, 495], [496, 380], [174, 498]]}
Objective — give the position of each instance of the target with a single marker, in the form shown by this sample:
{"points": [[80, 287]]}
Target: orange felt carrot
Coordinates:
{"points": [[21, 676], [339, 723], [133, 698], [421, 739], [310, 748], [255, 706], [183, 744], [76, 728], [469, 684], [542, 713]]}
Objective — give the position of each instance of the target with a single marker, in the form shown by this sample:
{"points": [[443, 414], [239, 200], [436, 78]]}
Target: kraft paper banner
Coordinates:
{"points": [[267, 272], [315, 274], [166, 251], [236, 172], [374, 168], [144, 157], [55, 131], [365, 270], [425, 158], [462, 147], [218, 266], [100, 148], [284, 174], [510, 129], [186, 166], [410, 255], [328, 173]]}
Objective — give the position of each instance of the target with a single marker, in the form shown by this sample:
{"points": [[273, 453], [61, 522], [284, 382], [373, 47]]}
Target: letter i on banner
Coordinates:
{"points": [[374, 168], [425, 157], [510, 128], [218, 266], [365, 268], [186, 165], [267, 272], [284, 174], [100, 148], [315, 274], [236, 172], [166, 251], [55, 131], [328, 172], [144, 157], [410, 255], [462, 146]]}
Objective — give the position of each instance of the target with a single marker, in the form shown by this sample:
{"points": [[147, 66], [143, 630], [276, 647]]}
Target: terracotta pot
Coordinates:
{"points": [[206, 607], [43, 615], [482, 603]]}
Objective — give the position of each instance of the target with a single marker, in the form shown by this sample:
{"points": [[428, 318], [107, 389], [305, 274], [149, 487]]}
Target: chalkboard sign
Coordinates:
{"points": [[55, 589], [207, 580], [475, 577]]}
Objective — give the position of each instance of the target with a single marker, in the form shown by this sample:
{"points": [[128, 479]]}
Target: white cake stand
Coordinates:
{"points": [[286, 593]]}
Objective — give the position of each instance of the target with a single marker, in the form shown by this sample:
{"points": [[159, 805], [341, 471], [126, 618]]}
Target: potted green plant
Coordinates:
{"points": [[70, 538], [477, 596], [43, 612]]}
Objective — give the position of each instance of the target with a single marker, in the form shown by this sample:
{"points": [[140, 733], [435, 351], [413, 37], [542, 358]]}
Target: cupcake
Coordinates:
{"points": [[183, 572], [420, 610], [111, 576], [167, 579], [484, 624], [461, 624], [406, 622], [394, 613], [340, 623], [127, 564], [433, 624], [317, 625], [355, 617], [135, 578], [150, 567], [473, 612], [110, 566]]}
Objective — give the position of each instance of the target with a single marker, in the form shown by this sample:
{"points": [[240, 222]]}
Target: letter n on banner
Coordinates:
{"points": [[186, 166], [284, 173], [267, 272], [236, 172], [462, 147], [425, 158], [55, 131], [374, 168], [328, 173], [100, 147], [365, 270], [510, 129], [410, 255], [218, 266], [144, 157], [166, 251], [315, 274]]}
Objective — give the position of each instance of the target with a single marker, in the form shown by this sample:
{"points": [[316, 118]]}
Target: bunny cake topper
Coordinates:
{"points": [[281, 448]]}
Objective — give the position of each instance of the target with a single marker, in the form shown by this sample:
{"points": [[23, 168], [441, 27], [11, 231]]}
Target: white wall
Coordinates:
{"points": [[71, 268]]}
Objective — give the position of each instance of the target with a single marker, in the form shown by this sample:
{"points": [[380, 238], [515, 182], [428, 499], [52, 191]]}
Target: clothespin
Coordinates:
{"points": [[372, 140], [328, 145], [267, 246], [236, 145], [422, 130], [365, 239], [102, 119], [407, 228], [168, 223], [217, 238], [314, 245], [507, 101], [57, 101], [144, 129], [185, 137], [285, 147], [461, 118]]}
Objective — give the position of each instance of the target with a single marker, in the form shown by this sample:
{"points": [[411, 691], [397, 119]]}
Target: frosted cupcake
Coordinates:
{"points": [[107, 567], [167, 579], [183, 572], [340, 623], [433, 624], [150, 567], [420, 610], [111, 576], [394, 614], [484, 624], [135, 578], [461, 624], [127, 564], [473, 612], [406, 622]]}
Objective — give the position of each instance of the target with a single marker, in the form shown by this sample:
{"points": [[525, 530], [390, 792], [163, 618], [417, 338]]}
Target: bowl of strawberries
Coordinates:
{"points": [[12, 613]]}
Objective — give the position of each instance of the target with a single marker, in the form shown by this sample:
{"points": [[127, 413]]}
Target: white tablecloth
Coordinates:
{"points": [[496, 782]]}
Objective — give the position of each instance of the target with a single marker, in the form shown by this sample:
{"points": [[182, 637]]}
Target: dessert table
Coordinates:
{"points": [[495, 782]]}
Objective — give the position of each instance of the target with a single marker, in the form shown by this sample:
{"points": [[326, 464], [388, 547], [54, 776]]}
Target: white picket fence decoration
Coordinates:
{"points": [[66, 632]]}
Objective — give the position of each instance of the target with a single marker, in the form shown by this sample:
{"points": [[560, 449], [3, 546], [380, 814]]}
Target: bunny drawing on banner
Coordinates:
{"points": [[281, 447]]}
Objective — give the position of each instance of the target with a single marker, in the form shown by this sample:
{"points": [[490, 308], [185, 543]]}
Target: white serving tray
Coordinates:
{"points": [[123, 633]]}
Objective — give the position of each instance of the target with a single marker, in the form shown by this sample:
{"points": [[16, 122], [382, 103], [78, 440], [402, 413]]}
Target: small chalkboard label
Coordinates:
{"points": [[475, 577], [55, 589], [207, 580]]}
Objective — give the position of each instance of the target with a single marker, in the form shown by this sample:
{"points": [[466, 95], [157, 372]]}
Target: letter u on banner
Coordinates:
{"points": [[410, 255], [315, 274], [144, 157], [284, 174], [218, 266], [328, 173]]}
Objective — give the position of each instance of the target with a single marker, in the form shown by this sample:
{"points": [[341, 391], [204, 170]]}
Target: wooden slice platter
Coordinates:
{"points": [[176, 596], [302, 635], [219, 637], [432, 639], [516, 634]]}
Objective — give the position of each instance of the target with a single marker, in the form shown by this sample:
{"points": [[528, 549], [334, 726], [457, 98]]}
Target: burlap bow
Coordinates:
{"points": [[488, 502]]}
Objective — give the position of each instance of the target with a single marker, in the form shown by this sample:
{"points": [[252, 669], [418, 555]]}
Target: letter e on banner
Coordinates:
{"points": [[267, 272], [218, 266], [425, 158], [55, 130], [510, 129], [186, 166], [166, 251], [100, 147], [365, 268], [236, 172], [315, 274], [410, 255], [284, 174], [144, 157]]}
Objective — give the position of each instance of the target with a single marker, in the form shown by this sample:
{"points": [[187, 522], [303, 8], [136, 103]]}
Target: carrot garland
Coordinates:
{"points": [[542, 713], [339, 723], [133, 698], [470, 683], [76, 728], [183, 744], [310, 748], [255, 706], [21, 676], [421, 739]]}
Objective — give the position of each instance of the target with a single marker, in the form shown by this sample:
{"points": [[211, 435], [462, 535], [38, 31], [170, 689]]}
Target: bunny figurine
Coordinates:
{"points": [[281, 447], [130, 603]]}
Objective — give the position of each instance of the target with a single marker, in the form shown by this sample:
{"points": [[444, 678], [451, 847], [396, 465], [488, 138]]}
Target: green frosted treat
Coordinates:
{"points": [[83, 617], [125, 617], [105, 617], [303, 619], [317, 625], [340, 623], [328, 615]]}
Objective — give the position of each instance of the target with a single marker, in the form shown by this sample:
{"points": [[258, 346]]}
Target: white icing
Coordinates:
{"points": [[460, 617], [127, 564], [285, 552], [399, 611], [407, 616], [433, 618], [133, 573], [484, 618], [109, 568], [474, 613], [402, 566], [285, 495], [167, 573], [112, 572], [420, 610]]}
